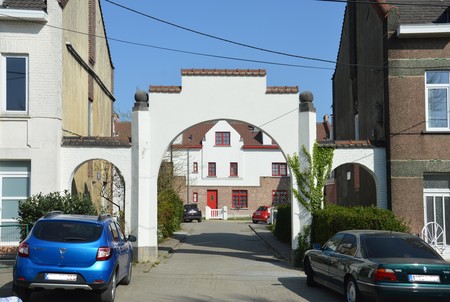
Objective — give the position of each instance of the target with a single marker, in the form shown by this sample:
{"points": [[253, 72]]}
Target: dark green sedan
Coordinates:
{"points": [[379, 265]]}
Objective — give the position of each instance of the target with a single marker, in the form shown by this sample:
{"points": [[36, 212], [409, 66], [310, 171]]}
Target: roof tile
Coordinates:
{"points": [[224, 72]]}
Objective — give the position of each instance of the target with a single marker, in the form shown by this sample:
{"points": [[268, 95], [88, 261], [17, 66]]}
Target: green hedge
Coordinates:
{"points": [[335, 218], [36, 206], [170, 212], [282, 229]]}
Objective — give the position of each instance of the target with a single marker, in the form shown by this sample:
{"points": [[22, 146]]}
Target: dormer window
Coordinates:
{"points": [[222, 138]]}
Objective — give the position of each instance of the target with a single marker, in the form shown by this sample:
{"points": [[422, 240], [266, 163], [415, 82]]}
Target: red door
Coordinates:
{"points": [[211, 197]]}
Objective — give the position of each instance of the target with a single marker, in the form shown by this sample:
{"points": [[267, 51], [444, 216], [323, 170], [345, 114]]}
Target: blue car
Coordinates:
{"points": [[73, 252]]}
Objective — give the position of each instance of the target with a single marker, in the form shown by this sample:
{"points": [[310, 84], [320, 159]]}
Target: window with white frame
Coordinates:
{"points": [[437, 100], [14, 187], [15, 83], [437, 202]]}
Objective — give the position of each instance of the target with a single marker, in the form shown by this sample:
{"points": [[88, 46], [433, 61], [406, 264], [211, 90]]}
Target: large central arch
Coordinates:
{"points": [[208, 95]]}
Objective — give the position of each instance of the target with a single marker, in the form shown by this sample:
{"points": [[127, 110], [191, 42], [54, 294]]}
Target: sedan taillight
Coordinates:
{"points": [[23, 250], [104, 253], [386, 275]]}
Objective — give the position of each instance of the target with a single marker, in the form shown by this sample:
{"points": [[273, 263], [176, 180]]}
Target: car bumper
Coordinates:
{"points": [[259, 218], [405, 291], [96, 276], [192, 217]]}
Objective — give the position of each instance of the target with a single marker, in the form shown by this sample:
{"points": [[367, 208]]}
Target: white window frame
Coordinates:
{"points": [[436, 193], [10, 174], [437, 86], [3, 77]]}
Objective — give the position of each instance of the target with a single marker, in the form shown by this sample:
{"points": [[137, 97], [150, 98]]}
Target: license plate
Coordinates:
{"points": [[61, 277], [424, 278]]}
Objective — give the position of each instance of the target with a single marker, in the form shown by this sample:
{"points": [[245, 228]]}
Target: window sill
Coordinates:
{"points": [[222, 146], [436, 132], [13, 116]]}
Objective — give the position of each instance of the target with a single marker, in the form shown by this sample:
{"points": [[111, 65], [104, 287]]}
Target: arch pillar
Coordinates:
{"points": [[144, 218], [306, 137]]}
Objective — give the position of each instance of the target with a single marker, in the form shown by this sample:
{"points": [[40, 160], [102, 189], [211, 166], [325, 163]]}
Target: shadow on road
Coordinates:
{"points": [[298, 286]]}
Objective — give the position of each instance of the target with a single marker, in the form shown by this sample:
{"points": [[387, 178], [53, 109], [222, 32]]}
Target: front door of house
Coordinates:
{"points": [[211, 197]]}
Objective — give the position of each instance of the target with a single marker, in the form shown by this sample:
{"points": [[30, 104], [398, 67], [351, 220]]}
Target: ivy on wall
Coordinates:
{"points": [[311, 172]]}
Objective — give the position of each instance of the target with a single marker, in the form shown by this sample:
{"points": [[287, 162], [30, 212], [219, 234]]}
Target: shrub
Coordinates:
{"points": [[36, 206], [303, 246], [170, 211], [335, 218], [282, 229]]}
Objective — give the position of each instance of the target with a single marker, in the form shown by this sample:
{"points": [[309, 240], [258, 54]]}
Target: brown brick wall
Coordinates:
{"points": [[257, 196], [408, 196]]}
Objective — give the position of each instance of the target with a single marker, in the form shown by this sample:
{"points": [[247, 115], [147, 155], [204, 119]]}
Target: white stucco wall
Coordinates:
{"points": [[35, 135]]}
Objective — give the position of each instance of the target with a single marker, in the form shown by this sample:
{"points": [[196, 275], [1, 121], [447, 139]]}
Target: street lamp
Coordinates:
{"points": [[187, 178]]}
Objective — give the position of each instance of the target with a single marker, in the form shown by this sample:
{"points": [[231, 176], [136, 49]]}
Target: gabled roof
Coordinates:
{"points": [[251, 136]]}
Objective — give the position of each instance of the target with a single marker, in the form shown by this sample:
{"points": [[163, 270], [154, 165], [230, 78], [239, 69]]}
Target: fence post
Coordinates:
{"points": [[225, 213], [207, 213]]}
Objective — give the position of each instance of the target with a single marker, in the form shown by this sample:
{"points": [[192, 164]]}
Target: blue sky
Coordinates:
{"points": [[306, 28]]}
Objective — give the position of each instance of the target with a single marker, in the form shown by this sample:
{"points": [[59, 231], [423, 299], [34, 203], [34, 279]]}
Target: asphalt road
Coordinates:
{"points": [[216, 261]]}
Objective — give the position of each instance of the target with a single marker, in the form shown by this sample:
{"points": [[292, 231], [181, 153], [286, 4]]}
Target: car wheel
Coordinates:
{"points": [[309, 274], [352, 293], [127, 279], [22, 292], [199, 220], [109, 294], [255, 221]]}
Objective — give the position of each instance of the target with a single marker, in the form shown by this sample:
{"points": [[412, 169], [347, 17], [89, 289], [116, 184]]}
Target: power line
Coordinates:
{"points": [[219, 38], [367, 67], [388, 3], [181, 51]]}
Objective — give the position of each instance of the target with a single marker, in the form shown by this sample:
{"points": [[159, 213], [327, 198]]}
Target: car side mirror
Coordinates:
{"points": [[317, 246], [132, 238]]}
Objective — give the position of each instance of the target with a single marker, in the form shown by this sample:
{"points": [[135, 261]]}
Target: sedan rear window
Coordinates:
{"points": [[67, 231], [397, 247]]}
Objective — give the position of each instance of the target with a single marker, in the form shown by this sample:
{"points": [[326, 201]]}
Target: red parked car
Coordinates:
{"points": [[261, 214]]}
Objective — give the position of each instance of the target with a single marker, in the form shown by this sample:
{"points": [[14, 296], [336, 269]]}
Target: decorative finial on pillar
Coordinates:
{"points": [[141, 100], [306, 102]]}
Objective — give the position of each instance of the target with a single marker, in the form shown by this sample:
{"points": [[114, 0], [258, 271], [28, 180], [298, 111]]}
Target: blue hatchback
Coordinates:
{"points": [[74, 252]]}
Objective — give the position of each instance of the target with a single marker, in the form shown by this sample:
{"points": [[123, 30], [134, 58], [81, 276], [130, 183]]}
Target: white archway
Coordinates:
{"points": [[372, 158], [74, 156], [209, 95], [162, 114]]}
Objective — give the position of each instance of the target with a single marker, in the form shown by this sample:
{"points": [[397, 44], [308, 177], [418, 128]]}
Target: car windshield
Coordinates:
{"points": [[261, 208], [67, 231], [397, 247]]}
